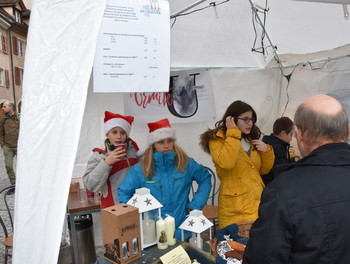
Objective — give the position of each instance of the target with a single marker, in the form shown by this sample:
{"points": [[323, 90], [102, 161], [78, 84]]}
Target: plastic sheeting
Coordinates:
{"points": [[61, 47]]}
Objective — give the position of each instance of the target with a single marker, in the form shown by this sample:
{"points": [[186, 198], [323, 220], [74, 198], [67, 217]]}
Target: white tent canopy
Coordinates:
{"points": [[201, 39], [57, 134]]}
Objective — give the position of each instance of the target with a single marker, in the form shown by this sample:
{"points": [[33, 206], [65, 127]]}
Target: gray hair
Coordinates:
{"points": [[321, 126], [13, 106]]}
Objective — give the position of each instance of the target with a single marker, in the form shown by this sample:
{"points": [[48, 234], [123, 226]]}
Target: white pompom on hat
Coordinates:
{"points": [[115, 120], [160, 130]]}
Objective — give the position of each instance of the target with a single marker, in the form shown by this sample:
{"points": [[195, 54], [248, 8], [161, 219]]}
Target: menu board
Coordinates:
{"points": [[133, 48]]}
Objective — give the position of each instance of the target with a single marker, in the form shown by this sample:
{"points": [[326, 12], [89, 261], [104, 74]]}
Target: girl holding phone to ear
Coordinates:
{"points": [[240, 157]]}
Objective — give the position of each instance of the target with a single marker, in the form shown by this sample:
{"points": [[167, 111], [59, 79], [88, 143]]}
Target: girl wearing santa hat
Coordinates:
{"points": [[168, 172], [107, 167]]}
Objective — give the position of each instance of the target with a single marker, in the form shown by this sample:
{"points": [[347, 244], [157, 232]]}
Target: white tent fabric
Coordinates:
{"points": [[201, 39], [61, 46], [60, 51], [265, 89]]}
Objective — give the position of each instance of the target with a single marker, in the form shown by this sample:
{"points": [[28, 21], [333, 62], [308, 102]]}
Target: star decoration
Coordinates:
{"points": [[134, 201], [203, 222], [148, 201], [190, 223]]}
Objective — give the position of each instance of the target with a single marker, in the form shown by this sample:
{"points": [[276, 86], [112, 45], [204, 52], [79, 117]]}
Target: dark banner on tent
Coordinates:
{"points": [[189, 99]]}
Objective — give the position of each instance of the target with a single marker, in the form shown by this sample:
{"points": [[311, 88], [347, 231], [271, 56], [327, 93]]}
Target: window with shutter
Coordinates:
{"points": [[20, 48], [17, 15], [5, 45], [17, 76], [15, 45], [21, 75], [2, 43], [7, 78], [2, 77]]}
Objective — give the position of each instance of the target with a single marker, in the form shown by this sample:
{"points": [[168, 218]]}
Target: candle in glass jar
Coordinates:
{"points": [[148, 230], [170, 229], [196, 240]]}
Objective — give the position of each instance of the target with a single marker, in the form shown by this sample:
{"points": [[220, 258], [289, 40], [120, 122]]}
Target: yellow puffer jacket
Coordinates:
{"points": [[241, 184]]}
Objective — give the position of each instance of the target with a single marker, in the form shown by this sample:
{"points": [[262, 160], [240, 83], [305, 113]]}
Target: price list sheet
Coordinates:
{"points": [[133, 48]]}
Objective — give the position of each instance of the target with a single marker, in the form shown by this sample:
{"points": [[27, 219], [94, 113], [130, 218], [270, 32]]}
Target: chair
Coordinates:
{"points": [[211, 211], [7, 222]]}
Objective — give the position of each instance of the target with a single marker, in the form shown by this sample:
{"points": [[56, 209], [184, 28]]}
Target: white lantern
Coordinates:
{"points": [[149, 210], [196, 223]]}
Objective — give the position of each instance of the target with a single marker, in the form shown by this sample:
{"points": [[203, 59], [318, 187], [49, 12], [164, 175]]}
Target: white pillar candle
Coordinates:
{"points": [[161, 234], [170, 229]]}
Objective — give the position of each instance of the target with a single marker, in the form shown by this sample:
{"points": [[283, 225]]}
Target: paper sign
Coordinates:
{"points": [[176, 256], [133, 48]]}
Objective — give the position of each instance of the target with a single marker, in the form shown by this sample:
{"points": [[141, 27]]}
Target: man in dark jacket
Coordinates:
{"points": [[304, 213], [9, 129], [279, 140]]}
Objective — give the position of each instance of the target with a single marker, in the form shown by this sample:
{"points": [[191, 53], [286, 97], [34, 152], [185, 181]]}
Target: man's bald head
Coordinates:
{"points": [[322, 103], [320, 119], [8, 107]]}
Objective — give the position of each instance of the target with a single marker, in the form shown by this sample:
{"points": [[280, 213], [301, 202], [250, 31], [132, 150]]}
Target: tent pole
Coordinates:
{"points": [[186, 8], [274, 48]]}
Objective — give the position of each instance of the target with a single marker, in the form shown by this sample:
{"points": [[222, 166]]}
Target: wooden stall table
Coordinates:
{"points": [[75, 207], [151, 255]]}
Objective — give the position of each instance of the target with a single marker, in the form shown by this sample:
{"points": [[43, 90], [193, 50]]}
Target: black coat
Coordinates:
{"points": [[304, 214], [282, 156]]}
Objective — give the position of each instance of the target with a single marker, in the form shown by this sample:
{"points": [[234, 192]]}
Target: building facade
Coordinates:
{"points": [[14, 21]]}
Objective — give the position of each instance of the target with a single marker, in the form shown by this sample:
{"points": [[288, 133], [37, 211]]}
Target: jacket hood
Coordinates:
{"points": [[273, 140], [205, 137]]}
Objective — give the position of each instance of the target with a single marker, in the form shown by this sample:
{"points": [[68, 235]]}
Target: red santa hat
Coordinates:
{"points": [[114, 120], [160, 130]]}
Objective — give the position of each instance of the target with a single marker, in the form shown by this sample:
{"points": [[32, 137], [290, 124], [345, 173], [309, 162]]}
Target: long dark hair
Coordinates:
{"points": [[235, 109]]}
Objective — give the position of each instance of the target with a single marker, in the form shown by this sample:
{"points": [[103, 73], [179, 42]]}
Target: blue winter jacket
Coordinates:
{"points": [[170, 187]]}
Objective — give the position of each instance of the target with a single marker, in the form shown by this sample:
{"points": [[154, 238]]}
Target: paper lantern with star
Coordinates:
{"points": [[149, 210], [196, 223]]}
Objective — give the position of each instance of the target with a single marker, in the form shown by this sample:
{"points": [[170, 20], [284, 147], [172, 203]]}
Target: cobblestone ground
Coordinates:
{"points": [[4, 182]]}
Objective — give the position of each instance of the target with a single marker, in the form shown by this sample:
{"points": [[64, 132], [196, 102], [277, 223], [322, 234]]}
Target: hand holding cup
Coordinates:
{"points": [[118, 154], [122, 148]]}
